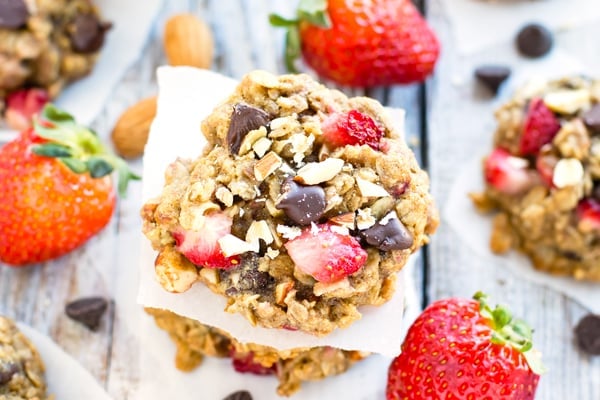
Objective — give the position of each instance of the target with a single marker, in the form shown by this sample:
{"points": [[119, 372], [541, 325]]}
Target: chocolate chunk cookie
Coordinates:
{"points": [[303, 206], [21, 368], [291, 367], [543, 176]]}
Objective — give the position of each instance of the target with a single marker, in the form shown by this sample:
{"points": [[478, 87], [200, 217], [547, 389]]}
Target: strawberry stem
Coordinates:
{"points": [[78, 147], [509, 331]]}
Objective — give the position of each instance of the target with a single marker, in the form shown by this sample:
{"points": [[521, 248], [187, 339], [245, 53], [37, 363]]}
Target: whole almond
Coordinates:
{"points": [[188, 41], [130, 133]]}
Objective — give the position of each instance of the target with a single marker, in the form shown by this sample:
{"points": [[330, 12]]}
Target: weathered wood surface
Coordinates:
{"points": [[445, 126]]}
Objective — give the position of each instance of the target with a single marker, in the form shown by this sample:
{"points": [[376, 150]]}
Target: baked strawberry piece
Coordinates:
{"points": [[301, 209], [543, 177]]}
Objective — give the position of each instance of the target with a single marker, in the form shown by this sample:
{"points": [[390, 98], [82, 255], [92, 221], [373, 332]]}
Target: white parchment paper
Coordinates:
{"points": [[186, 96], [132, 21], [475, 230], [66, 378], [477, 24]]}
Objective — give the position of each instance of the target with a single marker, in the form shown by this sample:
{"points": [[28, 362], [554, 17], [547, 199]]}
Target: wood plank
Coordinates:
{"points": [[460, 127]]}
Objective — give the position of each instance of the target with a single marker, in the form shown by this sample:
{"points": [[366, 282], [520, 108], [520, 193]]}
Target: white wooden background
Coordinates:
{"points": [[448, 121]]}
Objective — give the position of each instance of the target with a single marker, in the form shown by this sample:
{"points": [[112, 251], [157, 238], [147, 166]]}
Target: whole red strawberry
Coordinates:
{"points": [[56, 189], [362, 43], [462, 349]]}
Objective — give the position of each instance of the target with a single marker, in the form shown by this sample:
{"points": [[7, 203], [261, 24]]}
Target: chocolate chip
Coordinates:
{"points": [[13, 14], [587, 332], [239, 395], [244, 119], [596, 191], [87, 311], [591, 118], [87, 33], [492, 76], [7, 370], [388, 234], [302, 204], [534, 40]]}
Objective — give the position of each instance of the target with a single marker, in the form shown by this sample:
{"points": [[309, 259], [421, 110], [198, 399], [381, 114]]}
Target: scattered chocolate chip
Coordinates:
{"points": [[87, 33], [588, 334], [492, 76], [534, 40], [13, 14], [239, 395], [591, 118], [87, 311], [596, 192], [7, 370], [244, 119], [302, 204], [388, 234]]}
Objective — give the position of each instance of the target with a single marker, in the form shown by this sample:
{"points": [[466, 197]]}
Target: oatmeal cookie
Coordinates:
{"points": [[544, 177], [302, 207], [47, 43], [21, 368], [291, 367]]}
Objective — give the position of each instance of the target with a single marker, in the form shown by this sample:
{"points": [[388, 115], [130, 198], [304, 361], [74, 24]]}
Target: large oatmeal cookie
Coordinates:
{"points": [[291, 367], [21, 368], [302, 207], [544, 177]]}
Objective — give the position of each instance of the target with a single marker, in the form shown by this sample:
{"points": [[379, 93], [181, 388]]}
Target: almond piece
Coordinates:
{"points": [[314, 173], [130, 133], [188, 41], [266, 166]]}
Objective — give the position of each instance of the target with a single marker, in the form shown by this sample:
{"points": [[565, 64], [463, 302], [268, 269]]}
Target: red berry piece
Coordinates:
{"points": [[539, 128], [352, 128], [23, 105], [588, 215], [245, 364], [326, 255], [544, 164], [507, 173]]}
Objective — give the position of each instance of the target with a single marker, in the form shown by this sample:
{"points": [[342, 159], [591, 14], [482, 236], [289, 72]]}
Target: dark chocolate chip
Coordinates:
{"points": [[87, 33], [87, 311], [534, 40], [7, 370], [302, 204], [596, 191], [244, 119], [13, 13], [388, 234], [239, 395], [588, 334], [492, 76], [591, 118]]}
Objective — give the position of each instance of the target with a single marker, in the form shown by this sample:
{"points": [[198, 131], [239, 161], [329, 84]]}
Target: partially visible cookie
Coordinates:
{"points": [[21, 368], [291, 367]]}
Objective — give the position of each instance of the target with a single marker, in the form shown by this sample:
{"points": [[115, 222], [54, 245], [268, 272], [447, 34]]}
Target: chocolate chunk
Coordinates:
{"points": [[534, 40], [87, 311], [596, 191], [591, 118], [244, 119], [587, 332], [492, 76], [87, 33], [302, 204], [7, 370], [239, 395], [388, 234], [13, 13]]}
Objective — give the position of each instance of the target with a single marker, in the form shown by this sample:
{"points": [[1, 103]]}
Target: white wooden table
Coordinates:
{"points": [[447, 123]]}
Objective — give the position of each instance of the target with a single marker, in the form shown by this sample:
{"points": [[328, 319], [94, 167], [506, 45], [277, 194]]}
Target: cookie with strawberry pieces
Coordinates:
{"points": [[300, 210], [543, 177], [361, 43]]}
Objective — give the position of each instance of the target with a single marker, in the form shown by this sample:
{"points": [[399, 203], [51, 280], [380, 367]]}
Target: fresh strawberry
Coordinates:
{"points": [[462, 349], [325, 254], [544, 164], [361, 43], [22, 105], [539, 128], [588, 215], [353, 128], [507, 173], [201, 246], [245, 363], [56, 189]]}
